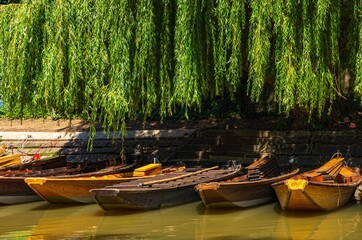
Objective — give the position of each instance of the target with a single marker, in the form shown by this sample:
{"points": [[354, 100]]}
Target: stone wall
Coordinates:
{"points": [[304, 148], [148, 143]]}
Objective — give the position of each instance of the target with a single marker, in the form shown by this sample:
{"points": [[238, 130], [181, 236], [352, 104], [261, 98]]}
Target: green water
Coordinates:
{"points": [[41, 220]]}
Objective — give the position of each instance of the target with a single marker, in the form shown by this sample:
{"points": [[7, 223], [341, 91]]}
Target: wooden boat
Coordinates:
{"points": [[59, 163], [76, 189], [163, 190], [246, 190], [2, 150], [17, 161], [51, 162], [100, 168], [10, 160], [13, 188], [325, 188]]}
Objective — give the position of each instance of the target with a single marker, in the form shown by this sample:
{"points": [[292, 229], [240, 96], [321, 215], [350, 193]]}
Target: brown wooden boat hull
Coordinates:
{"points": [[170, 191], [113, 199], [239, 194], [14, 190], [314, 195], [72, 190]]}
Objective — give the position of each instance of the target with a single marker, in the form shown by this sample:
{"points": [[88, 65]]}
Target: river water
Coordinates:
{"points": [[40, 220]]}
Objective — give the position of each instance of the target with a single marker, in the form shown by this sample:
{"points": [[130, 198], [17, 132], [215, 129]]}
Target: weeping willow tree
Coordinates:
{"points": [[109, 61]]}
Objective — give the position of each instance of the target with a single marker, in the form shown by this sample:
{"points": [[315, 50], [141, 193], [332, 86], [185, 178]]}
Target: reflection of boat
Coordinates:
{"points": [[89, 222], [325, 188], [76, 190], [67, 222], [251, 189], [250, 223], [343, 223], [164, 190], [18, 219]]}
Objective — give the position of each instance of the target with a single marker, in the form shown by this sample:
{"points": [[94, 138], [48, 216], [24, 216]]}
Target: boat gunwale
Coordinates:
{"points": [[166, 185], [264, 180], [334, 184], [97, 178]]}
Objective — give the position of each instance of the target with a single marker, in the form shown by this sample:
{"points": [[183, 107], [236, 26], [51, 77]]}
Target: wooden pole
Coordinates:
{"points": [[178, 177]]}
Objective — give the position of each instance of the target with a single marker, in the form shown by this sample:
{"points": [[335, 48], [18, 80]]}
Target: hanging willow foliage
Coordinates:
{"points": [[166, 56], [108, 61], [228, 48], [357, 17], [6, 14], [110, 90], [315, 79], [52, 85], [189, 72], [285, 17], [144, 69], [305, 79], [259, 44], [22, 38]]}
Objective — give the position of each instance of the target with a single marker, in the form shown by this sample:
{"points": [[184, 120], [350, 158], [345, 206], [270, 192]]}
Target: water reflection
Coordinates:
{"points": [[192, 221], [64, 221], [250, 223], [343, 223], [18, 219], [177, 222]]}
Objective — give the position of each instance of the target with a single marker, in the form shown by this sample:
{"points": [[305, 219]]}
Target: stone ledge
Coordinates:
{"points": [[71, 136]]}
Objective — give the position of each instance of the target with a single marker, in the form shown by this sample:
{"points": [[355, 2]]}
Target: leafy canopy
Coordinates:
{"points": [[107, 61]]}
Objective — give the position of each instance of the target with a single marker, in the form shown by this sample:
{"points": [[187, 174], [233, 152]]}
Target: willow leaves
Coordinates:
{"points": [[108, 61], [229, 45], [189, 72], [357, 28]]}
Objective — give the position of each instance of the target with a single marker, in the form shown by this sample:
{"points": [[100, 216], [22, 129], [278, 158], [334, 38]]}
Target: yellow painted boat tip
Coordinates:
{"points": [[34, 181], [147, 167], [294, 184]]}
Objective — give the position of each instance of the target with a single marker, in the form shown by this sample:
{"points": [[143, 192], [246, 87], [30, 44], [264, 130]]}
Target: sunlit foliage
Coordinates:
{"points": [[108, 61]]}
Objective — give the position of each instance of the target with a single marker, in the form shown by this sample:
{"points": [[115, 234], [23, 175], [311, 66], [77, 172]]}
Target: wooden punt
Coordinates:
{"points": [[14, 190], [164, 190], [51, 162], [247, 190], [76, 189], [10, 160], [326, 188]]}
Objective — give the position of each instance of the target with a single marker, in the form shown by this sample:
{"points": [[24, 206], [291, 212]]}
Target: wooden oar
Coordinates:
{"points": [[178, 177], [330, 165]]}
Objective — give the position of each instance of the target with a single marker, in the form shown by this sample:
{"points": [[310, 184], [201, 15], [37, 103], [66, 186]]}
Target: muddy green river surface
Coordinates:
{"points": [[40, 220]]}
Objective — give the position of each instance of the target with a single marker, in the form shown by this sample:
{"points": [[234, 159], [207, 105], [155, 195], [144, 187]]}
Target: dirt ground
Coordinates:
{"points": [[77, 125], [42, 125]]}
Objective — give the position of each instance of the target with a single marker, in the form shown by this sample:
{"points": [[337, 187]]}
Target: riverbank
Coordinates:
{"points": [[254, 123], [196, 140], [78, 125]]}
